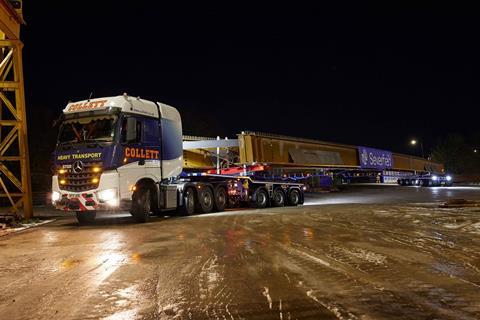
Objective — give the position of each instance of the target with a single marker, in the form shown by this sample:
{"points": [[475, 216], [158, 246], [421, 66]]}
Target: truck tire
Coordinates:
{"points": [[294, 197], [221, 199], [154, 205], [260, 197], [205, 200], [141, 204], [189, 202], [278, 198], [86, 217]]}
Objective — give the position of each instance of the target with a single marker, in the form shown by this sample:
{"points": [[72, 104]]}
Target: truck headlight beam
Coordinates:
{"points": [[108, 195], [55, 196]]}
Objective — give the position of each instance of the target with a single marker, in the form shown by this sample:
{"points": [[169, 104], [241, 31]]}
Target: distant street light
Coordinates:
{"points": [[414, 142], [475, 150]]}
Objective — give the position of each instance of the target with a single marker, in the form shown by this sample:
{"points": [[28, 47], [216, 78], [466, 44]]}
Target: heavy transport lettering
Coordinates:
{"points": [[92, 155], [78, 156]]}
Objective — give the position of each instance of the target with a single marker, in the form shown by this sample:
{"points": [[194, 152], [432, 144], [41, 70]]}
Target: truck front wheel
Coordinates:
{"points": [[86, 217], [141, 201]]}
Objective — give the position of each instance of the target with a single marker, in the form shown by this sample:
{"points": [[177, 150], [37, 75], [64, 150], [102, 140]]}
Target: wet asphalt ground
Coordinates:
{"points": [[365, 253]]}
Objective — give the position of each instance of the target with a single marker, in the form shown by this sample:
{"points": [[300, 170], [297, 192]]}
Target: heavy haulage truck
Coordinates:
{"points": [[126, 152]]}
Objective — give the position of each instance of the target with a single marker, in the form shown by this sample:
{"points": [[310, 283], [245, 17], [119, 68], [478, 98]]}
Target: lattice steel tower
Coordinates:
{"points": [[15, 186]]}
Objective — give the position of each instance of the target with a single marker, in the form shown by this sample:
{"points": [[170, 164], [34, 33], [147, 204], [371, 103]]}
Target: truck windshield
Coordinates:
{"points": [[98, 129]]}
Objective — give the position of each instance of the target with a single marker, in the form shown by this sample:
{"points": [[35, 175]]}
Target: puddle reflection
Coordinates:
{"points": [[308, 234]]}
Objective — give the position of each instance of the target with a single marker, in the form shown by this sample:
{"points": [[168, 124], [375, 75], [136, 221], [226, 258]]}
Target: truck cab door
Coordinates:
{"points": [[152, 145], [133, 167]]}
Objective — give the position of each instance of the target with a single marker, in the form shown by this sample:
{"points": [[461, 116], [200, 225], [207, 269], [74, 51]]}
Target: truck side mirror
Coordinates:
{"points": [[57, 121], [131, 130]]}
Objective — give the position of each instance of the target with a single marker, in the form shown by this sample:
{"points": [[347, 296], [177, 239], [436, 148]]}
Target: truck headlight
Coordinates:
{"points": [[449, 178], [55, 196], [108, 195], [434, 178]]}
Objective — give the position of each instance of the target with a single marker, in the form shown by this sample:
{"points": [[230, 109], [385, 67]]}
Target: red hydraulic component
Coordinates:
{"points": [[239, 170]]}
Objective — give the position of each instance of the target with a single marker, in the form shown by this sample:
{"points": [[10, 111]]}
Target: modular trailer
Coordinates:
{"points": [[126, 152], [427, 180]]}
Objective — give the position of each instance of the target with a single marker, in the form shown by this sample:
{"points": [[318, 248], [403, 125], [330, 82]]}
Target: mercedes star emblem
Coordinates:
{"points": [[78, 166]]}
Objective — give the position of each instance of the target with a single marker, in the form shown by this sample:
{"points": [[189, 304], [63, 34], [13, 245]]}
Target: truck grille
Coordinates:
{"points": [[82, 180]]}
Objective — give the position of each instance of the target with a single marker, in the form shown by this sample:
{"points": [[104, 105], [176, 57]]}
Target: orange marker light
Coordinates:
{"points": [[62, 171], [63, 181], [94, 180], [96, 169]]}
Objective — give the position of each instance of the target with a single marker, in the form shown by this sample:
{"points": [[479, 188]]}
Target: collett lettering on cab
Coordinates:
{"points": [[141, 153]]}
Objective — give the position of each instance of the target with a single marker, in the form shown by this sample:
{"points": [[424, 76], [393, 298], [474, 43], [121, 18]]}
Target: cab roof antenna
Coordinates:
{"points": [[90, 96]]}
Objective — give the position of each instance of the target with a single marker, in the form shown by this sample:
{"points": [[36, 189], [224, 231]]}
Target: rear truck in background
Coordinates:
{"points": [[427, 180], [126, 153]]}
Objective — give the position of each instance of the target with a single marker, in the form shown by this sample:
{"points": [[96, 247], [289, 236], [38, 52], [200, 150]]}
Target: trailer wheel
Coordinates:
{"points": [[205, 200], [189, 202], [426, 183], [278, 198], [294, 197], [86, 217], [261, 198], [221, 199], [141, 204]]}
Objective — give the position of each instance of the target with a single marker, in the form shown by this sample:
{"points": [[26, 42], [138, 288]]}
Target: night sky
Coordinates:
{"points": [[374, 76]]}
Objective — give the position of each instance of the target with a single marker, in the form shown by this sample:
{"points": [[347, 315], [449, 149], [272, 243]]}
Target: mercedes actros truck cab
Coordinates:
{"points": [[126, 152]]}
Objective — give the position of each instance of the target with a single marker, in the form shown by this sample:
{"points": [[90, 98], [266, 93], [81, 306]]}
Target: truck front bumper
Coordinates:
{"points": [[77, 202], [104, 198]]}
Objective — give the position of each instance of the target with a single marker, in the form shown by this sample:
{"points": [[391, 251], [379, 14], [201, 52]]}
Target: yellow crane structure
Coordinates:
{"points": [[15, 186]]}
